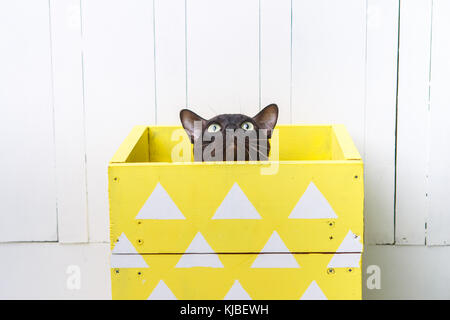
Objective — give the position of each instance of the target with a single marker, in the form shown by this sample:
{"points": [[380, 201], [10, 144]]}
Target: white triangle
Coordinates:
{"points": [[283, 260], [312, 205], [128, 261], [345, 260], [199, 254], [162, 292], [123, 245], [199, 245], [268, 261], [160, 206], [313, 293], [351, 243], [275, 244], [124, 255], [199, 260], [237, 293], [236, 206]]}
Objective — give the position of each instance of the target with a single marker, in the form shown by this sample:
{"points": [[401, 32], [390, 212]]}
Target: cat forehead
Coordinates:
{"points": [[229, 119]]}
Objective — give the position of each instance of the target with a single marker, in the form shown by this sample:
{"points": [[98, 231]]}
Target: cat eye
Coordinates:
{"points": [[214, 128], [247, 126]]}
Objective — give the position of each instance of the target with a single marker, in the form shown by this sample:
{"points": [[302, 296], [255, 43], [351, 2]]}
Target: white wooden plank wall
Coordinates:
{"points": [[438, 231], [412, 121], [170, 58], [328, 64], [275, 56], [78, 75], [70, 142], [423, 205], [379, 119], [223, 56], [27, 157]]}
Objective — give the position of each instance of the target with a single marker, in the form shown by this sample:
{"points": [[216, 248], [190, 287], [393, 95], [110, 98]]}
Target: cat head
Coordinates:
{"points": [[215, 140]]}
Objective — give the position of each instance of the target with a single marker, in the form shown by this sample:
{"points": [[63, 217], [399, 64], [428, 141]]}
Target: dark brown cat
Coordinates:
{"points": [[230, 136]]}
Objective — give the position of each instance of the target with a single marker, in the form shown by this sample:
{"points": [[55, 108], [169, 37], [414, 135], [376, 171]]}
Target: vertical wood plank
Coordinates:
{"points": [[275, 50], [412, 121], [69, 120], [439, 216], [223, 56], [380, 119], [328, 64], [170, 60], [118, 50], [27, 161]]}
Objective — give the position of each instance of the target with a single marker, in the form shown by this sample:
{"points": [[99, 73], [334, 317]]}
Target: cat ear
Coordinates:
{"points": [[188, 120], [267, 118]]}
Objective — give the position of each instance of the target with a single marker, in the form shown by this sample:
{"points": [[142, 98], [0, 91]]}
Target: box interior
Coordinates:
{"points": [[289, 143]]}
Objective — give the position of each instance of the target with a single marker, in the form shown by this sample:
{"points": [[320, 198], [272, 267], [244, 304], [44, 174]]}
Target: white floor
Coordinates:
{"points": [[46, 271], [42, 270], [409, 272]]}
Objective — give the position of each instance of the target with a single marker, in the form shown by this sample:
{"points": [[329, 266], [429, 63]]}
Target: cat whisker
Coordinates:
{"points": [[259, 152]]}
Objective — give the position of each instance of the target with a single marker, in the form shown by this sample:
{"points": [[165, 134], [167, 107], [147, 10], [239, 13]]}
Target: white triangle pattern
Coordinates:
{"points": [[313, 293], [237, 292], [275, 260], [162, 292], [312, 205], [268, 261], [160, 206], [199, 245], [123, 245], [345, 260], [199, 254], [131, 258], [236, 206], [199, 260], [351, 243], [275, 244], [128, 261]]}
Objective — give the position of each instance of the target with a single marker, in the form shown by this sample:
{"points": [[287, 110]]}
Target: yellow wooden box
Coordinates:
{"points": [[287, 228]]}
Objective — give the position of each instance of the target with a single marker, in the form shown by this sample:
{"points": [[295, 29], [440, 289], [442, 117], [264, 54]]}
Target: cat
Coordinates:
{"points": [[231, 137]]}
